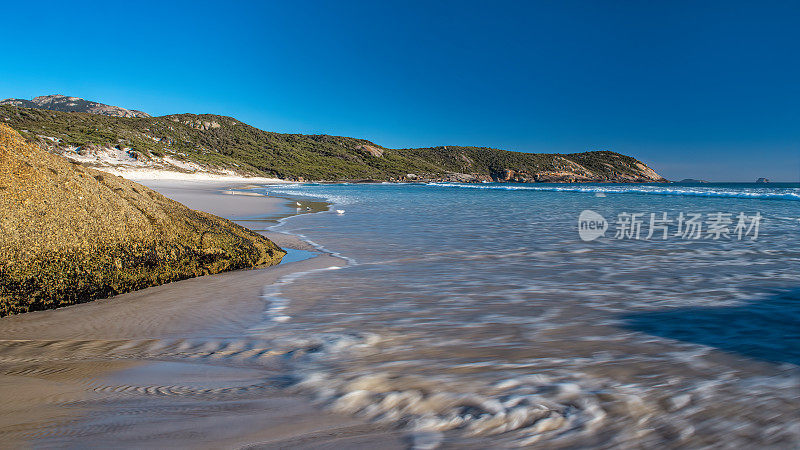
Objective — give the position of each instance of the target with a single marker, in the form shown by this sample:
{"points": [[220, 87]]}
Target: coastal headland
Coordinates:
{"points": [[118, 140]]}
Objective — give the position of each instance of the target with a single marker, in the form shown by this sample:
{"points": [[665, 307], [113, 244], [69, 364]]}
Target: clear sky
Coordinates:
{"points": [[695, 89]]}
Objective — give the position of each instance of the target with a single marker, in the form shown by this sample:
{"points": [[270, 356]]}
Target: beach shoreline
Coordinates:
{"points": [[180, 343]]}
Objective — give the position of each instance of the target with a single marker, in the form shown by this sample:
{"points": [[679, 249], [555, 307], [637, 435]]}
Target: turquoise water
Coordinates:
{"points": [[476, 315], [294, 255]]}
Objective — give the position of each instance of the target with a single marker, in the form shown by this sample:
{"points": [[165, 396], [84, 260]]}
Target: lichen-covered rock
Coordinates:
{"points": [[70, 234]]}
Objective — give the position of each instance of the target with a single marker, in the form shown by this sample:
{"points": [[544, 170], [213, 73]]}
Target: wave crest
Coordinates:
{"points": [[693, 192]]}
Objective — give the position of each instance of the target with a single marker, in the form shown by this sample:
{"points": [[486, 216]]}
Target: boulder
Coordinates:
{"points": [[70, 234]]}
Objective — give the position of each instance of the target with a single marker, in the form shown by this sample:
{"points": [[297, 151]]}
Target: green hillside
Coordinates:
{"points": [[220, 142]]}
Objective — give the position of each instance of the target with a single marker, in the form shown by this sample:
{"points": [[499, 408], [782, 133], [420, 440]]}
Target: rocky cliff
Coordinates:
{"points": [[70, 234]]}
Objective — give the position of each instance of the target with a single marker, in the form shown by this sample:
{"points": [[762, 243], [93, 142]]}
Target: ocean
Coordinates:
{"points": [[477, 314]]}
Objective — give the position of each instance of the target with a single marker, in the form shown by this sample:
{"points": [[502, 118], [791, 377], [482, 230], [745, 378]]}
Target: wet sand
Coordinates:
{"points": [[169, 366]]}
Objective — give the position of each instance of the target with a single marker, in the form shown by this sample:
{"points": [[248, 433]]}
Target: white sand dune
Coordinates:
{"points": [[144, 174]]}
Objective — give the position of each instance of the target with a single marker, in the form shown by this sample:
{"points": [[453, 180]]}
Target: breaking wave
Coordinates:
{"points": [[298, 191], [791, 194]]}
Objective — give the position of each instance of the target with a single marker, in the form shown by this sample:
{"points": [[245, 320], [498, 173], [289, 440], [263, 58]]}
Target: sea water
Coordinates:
{"points": [[474, 314]]}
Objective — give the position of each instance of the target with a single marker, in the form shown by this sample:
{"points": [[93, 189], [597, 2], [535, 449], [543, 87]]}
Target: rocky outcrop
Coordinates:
{"points": [[197, 124], [563, 170], [465, 178], [70, 234], [568, 176], [73, 104], [371, 149]]}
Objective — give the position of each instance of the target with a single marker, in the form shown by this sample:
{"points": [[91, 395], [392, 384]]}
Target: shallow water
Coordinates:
{"points": [[294, 255], [475, 315]]}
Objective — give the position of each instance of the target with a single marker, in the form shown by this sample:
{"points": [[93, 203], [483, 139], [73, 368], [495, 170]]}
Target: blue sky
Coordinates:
{"points": [[695, 89]]}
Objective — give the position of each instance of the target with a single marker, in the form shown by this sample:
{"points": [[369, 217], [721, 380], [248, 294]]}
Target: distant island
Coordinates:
{"points": [[692, 180], [104, 136], [762, 180]]}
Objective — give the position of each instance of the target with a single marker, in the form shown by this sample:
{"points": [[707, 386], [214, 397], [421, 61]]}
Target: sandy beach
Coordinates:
{"points": [[169, 366], [537, 225]]}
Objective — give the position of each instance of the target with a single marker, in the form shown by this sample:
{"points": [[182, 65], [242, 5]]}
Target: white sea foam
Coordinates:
{"points": [[277, 304], [752, 193], [297, 190], [525, 408]]}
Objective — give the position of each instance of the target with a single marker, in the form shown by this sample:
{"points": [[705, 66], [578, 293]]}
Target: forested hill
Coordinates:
{"points": [[207, 142]]}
